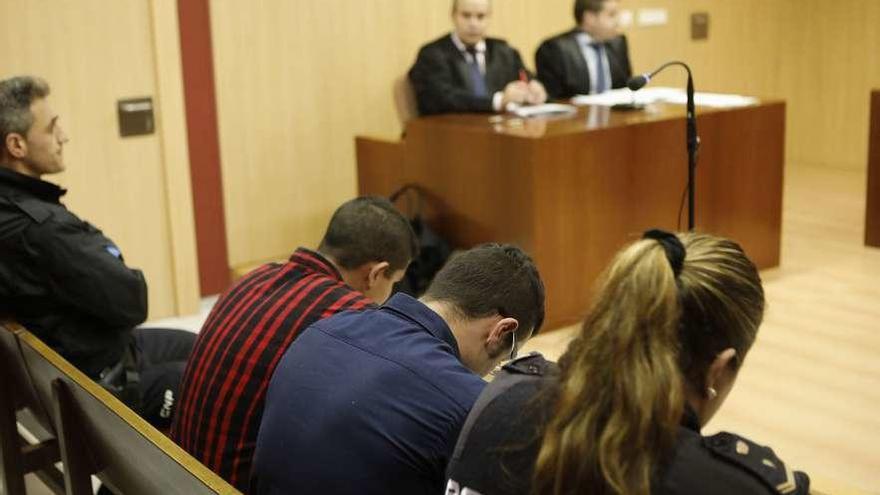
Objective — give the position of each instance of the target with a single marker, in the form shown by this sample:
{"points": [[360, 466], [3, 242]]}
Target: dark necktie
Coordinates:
{"points": [[479, 82], [601, 85]]}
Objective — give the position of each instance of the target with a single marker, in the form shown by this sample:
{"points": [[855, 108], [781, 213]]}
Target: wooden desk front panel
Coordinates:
{"points": [[480, 184], [872, 208], [597, 191], [573, 191]]}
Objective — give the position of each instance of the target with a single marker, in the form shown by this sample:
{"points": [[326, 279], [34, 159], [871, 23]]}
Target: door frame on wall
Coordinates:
{"points": [[197, 60]]}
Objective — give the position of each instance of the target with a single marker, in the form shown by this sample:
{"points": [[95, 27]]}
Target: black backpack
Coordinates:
{"points": [[433, 249]]}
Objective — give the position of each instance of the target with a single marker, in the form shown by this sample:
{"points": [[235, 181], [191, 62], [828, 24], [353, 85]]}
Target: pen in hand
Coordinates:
{"points": [[532, 98]]}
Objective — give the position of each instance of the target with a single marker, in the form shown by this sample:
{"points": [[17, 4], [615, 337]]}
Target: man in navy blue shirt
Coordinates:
{"points": [[372, 402]]}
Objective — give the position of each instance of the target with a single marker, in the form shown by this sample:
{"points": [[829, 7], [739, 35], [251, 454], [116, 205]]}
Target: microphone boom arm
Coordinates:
{"points": [[693, 140]]}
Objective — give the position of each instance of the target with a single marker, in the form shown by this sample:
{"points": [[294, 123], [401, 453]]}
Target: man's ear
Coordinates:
{"points": [[499, 333], [15, 146], [377, 269]]}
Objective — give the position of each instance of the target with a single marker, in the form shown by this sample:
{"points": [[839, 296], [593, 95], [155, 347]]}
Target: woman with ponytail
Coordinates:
{"points": [[658, 354]]}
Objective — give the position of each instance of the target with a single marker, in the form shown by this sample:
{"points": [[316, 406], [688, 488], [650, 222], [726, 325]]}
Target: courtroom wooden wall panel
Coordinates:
{"points": [[92, 53], [298, 79], [820, 56], [172, 129], [837, 64]]}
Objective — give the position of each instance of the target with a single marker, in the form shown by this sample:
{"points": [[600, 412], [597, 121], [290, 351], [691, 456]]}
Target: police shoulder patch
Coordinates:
{"points": [[532, 363], [758, 460]]}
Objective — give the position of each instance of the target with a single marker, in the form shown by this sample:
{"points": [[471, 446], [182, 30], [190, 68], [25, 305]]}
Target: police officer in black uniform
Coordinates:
{"points": [[656, 303], [65, 281]]}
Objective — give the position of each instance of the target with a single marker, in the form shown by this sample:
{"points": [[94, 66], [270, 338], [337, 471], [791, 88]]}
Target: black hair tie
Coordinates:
{"points": [[675, 250]]}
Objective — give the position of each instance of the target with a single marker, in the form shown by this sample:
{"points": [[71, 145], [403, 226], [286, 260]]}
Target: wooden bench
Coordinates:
{"points": [[19, 404], [96, 433]]}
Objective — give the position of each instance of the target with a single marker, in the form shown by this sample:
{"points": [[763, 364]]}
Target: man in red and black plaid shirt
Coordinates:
{"points": [[366, 249]]}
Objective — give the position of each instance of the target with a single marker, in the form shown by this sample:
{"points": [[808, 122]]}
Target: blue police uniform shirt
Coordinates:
{"points": [[365, 403]]}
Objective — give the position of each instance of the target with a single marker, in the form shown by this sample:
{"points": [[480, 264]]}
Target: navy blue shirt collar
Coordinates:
{"points": [[415, 310], [31, 186]]}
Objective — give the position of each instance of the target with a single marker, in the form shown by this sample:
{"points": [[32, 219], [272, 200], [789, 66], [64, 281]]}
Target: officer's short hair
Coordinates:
{"points": [[369, 229], [16, 96], [581, 7], [493, 279]]}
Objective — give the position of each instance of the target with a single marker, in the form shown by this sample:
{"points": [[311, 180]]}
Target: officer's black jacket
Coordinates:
{"points": [[501, 438], [62, 278]]}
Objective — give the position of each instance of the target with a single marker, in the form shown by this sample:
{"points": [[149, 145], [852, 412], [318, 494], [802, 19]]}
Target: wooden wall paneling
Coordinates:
{"points": [[835, 66], [275, 102], [298, 80], [92, 53], [171, 125]]}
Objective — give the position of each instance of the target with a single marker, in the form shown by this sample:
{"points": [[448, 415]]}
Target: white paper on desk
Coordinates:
{"points": [[718, 100], [616, 97], [665, 95], [545, 109]]}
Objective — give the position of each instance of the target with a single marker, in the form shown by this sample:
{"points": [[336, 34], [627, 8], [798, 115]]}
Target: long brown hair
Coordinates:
{"points": [[649, 335]]}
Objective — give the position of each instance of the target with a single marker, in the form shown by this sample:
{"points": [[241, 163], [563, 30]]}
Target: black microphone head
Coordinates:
{"points": [[638, 82]]}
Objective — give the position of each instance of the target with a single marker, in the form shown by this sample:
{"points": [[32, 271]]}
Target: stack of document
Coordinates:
{"points": [[663, 95], [545, 109]]}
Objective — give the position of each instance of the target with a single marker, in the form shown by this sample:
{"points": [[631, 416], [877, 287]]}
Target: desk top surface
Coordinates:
{"points": [[588, 117]]}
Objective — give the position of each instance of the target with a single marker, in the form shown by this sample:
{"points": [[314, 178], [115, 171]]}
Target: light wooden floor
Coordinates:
{"points": [[810, 387]]}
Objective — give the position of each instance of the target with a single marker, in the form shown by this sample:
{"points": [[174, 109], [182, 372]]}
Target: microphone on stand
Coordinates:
{"points": [[636, 83], [693, 141]]}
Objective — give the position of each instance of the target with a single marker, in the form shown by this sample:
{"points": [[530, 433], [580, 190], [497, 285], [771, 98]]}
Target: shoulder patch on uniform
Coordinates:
{"points": [[532, 363], [760, 461], [38, 211]]}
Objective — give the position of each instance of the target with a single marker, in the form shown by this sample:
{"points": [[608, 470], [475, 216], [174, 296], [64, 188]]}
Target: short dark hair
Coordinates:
{"points": [[581, 7], [367, 229], [490, 279], [455, 5], [16, 96]]}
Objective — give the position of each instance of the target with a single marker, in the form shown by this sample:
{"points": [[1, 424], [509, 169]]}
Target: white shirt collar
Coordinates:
{"points": [[584, 38], [480, 46]]}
